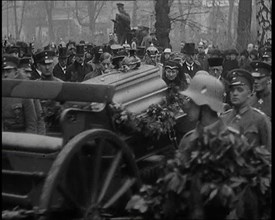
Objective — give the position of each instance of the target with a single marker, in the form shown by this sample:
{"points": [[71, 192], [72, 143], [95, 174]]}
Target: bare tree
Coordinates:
{"points": [[163, 23], [184, 16], [49, 5], [93, 10], [244, 23], [264, 21], [229, 24], [134, 15]]}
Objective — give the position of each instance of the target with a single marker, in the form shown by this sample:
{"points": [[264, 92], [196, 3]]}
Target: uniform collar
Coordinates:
{"points": [[39, 72], [242, 110], [263, 94], [216, 127]]}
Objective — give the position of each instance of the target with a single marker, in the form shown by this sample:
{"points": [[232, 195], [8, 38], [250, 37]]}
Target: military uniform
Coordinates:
{"points": [[51, 110], [250, 121], [262, 102], [261, 99], [122, 25], [19, 115], [253, 123], [186, 146]]}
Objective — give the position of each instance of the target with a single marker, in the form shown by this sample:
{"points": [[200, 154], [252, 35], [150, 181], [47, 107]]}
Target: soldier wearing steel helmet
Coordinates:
{"points": [[262, 96], [251, 122], [204, 102]]}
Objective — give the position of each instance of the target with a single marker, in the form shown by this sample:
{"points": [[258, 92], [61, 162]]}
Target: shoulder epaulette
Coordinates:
{"points": [[189, 133], [258, 110], [233, 130], [227, 112]]}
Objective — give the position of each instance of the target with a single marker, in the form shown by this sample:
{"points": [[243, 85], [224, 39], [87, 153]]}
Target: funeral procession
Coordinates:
{"points": [[136, 110]]}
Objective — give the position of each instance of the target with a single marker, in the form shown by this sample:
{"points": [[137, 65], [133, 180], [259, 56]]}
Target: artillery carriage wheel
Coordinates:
{"points": [[92, 177]]}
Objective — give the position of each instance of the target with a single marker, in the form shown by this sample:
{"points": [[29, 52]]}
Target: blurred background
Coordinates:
{"points": [[222, 23]]}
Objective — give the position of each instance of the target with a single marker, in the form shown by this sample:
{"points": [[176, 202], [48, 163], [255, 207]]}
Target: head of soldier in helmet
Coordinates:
{"points": [[203, 98], [240, 87]]}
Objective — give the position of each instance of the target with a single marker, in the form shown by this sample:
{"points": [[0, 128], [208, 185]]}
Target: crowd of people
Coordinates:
{"points": [[222, 89]]}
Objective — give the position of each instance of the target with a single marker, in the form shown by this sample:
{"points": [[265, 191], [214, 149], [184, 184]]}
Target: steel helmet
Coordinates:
{"points": [[206, 90]]}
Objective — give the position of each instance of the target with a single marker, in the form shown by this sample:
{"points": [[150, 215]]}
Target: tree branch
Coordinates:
{"points": [[79, 20], [22, 17]]}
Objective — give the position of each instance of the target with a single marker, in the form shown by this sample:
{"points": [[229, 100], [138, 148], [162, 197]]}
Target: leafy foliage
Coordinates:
{"points": [[159, 119], [220, 174]]}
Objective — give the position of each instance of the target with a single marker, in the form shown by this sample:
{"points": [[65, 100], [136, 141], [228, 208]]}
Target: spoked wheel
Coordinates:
{"points": [[92, 177]]}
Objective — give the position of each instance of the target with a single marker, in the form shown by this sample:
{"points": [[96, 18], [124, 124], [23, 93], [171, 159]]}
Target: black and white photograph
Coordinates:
{"points": [[136, 110]]}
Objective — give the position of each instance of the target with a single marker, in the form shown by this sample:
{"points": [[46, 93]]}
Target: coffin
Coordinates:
{"points": [[136, 89]]}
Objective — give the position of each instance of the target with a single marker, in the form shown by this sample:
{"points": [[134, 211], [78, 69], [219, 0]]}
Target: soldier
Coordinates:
{"points": [[60, 69], [261, 98], [18, 115], [122, 24], [25, 67], [190, 66], [79, 68], [267, 55], [250, 121], [204, 100], [51, 110], [44, 62]]}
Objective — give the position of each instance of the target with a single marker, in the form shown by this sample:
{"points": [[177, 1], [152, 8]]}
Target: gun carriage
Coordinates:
{"points": [[91, 170]]}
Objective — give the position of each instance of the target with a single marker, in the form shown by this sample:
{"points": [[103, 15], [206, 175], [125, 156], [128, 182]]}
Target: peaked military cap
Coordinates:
{"points": [[80, 49], [9, 61], [44, 57], [260, 69], [215, 61], [62, 52], [13, 49], [120, 4], [240, 77], [266, 51], [189, 48], [25, 63]]}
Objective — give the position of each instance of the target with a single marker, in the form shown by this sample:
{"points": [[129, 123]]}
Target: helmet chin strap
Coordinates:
{"points": [[200, 113]]}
